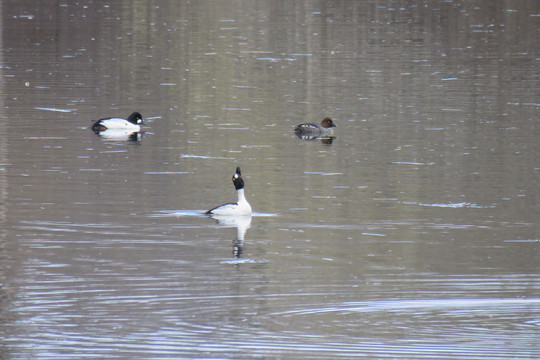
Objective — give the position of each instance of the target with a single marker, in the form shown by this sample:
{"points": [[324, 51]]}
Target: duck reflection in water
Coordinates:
{"points": [[120, 135], [242, 223], [324, 140]]}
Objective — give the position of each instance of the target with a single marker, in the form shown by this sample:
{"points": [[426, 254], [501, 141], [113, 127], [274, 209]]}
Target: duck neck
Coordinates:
{"points": [[241, 197]]}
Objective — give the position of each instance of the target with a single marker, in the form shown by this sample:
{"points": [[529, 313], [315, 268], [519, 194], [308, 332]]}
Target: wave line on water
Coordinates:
{"points": [[194, 156], [457, 205], [413, 304], [55, 109], [178, 213], [167, 172]]}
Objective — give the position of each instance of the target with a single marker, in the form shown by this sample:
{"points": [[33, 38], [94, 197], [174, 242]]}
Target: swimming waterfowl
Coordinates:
{"points": [[314, 130], [132, 123], [241, 207]]}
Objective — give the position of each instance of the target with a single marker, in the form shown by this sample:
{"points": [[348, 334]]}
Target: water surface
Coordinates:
{"points": [[412, 234]]}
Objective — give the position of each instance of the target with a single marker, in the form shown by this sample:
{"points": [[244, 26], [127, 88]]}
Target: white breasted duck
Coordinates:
{"points": [[239, 208], [132, 123], [314, 130]]}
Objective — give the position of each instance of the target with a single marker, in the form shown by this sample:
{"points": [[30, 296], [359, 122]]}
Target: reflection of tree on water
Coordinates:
{"points": [[242, 223]]}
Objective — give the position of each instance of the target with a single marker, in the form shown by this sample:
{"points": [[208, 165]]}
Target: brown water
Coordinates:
{"points": [[413, 234]]}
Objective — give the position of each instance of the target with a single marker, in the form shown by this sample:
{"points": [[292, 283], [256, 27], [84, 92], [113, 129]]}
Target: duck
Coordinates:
{"points": [[132, 123], [239, 208], [314, 130]]}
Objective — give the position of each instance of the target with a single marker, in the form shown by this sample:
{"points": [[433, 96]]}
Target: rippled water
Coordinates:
{"points": [[411, 234]]}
